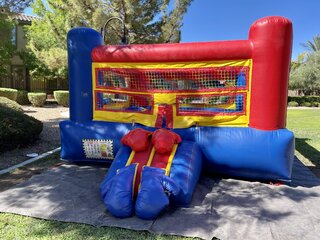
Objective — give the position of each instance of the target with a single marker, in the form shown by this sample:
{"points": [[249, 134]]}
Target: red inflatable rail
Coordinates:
{"points": [[269, 46]]}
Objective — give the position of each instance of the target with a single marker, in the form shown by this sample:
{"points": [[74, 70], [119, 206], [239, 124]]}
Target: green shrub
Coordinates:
{"points": [[293, 104], [6, 102], [306, 104], [22, 97], [37, 99], [17, 129], [315, 104], [62, 97], [9, 93], [302, 99]]}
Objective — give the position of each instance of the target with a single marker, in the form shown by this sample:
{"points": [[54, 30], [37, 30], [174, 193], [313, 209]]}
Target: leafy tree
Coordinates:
{"points": [[146, 21], [295, 64], [6, 46], [314, 45], [306, 77]]}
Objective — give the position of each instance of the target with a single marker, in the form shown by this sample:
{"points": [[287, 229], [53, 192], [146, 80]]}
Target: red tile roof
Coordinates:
{"points": [[25, 18]]}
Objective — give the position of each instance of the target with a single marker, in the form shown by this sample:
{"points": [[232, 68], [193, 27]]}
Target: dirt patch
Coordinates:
{"points": [[49, 139]]}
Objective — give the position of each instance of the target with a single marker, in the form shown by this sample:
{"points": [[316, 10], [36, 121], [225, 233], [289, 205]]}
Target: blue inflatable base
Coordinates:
{"points": [[241, 152]]}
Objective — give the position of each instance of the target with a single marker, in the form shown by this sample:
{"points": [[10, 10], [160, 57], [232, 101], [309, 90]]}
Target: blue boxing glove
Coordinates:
{"points": [[153, 195], [117, 193]]}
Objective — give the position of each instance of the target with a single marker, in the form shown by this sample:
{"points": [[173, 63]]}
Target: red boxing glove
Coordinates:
{"points": [[137, 139], [163, 140]]}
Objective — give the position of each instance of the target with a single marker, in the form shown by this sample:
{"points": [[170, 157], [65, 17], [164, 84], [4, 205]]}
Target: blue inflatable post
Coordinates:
{"points": [[80, 42]]}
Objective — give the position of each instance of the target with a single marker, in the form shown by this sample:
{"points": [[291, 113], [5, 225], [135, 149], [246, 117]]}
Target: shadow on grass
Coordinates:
{"points": [[308, 151]]}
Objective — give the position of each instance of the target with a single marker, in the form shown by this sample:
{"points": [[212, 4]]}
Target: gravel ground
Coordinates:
{"points": [[51, 114]]}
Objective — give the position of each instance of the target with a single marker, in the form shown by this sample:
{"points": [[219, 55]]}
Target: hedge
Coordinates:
{"points": [[22, 97], [6, 102], [293, 104], [37, 99], [16, 128], [9, 93], [302, 100], [62, 97]]}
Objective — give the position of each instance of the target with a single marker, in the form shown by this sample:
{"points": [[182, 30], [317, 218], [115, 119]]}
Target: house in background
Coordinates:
{"points": [[19, 74]]}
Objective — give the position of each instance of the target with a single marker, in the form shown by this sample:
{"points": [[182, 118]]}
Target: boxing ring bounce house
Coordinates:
{"points": [[162, 113]]}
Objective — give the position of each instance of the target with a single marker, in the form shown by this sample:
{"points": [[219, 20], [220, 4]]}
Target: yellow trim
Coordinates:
{"points": [[249, 92], [167, 65], [151, 157], [165, 98], [130, 157], [170, 160], [134, 179], [126, 117]]}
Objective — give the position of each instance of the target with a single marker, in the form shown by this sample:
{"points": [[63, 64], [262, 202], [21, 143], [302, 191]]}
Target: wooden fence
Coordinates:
{"points": [[36, 85]]}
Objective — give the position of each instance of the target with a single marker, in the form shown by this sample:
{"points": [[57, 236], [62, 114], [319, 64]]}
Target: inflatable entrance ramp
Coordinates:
{"points": [[150, 170]]}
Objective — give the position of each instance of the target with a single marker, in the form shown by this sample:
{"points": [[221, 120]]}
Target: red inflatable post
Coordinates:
{"points": [[271, 38]]}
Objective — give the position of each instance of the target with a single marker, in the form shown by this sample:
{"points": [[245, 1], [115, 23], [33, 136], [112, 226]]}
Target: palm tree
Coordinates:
{"points": [[313, 46]]}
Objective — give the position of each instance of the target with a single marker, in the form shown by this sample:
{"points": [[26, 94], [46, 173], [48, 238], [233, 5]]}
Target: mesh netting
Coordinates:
{"points": [[124, 102], [210, 105], [173, 79]]}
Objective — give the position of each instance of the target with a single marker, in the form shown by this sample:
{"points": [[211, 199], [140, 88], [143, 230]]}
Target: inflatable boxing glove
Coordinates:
{"points": [[163, 140], [137, 139], [153, 195], [117, 193]]}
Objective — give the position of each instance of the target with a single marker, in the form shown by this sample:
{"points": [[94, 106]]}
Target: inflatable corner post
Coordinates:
{"points": [[226, 100]]}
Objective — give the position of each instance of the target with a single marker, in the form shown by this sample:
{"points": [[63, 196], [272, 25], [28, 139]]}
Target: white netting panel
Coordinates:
{"points": [[173, 79]]}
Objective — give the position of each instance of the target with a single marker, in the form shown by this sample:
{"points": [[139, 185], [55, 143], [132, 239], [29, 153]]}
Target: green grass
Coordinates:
{"points": [[20, 227], [305, 123]]}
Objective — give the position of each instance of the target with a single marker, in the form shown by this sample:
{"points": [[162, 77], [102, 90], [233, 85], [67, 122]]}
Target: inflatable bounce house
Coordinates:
{"points": [[162, 113]]}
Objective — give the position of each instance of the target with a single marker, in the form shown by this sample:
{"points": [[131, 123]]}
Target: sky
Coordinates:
{"points": [[215, 20]]}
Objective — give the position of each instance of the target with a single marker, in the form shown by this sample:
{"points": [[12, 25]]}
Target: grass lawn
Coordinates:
{"points": [[305, 123], [20, 227]]}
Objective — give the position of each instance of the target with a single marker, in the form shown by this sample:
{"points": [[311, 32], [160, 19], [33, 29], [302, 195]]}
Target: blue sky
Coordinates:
{"points": [[213, 20]]}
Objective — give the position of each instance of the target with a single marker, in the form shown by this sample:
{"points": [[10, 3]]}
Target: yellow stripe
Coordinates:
{"points": [[173, 152], [134, 179], [249, 92], [151, 157], [130, 157], [157, 65], [126, 117], [94, 78]]}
